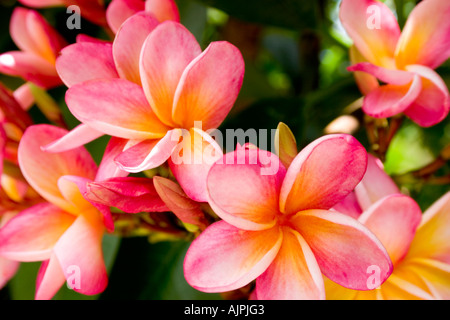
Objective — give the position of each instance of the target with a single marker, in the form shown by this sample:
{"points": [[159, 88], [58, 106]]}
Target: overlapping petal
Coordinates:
{"points": [[432, 236], [345, 250], [31, 33], [294, 273], [84, 61], [394, 220], [49, 280], [129, 194], [240, 194], [30, 67], [116, 107], [128, 43], [191, 161], [32, 234], [323, 174], [238, 256], [425, 39], [373, 28], [166, 53], [432, 104], [375, 184], [43, 170], [79, 250], [149, 154], [209, 86]]}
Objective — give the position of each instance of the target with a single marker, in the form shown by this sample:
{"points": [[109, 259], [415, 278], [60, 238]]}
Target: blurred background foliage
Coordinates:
{"points": [[296, 54]]}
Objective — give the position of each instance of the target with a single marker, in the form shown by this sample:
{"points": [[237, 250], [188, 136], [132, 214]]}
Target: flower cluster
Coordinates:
{"points": [[325, 222]]}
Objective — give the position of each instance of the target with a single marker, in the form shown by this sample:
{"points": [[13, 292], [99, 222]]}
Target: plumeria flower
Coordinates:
{"points": [[403, 60], [418, 245], [66, 231], [39, 45], [278, 229], [166, 86], [120, 10], [92, 10]]}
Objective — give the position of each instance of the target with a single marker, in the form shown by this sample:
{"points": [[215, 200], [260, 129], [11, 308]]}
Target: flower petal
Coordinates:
{"points": [[199, 152], [390, 76], [432, 105], [129, 194], [77, 137], [389, 100], [323, 173], [31, 235], [365, 82], [116, 107], [42, 3], [241, 194], [425, 38], [375, 184], [294, 274], [149, 154], [120, 10], [224, 258], [163, 10], [79, 251], [8, 269], [108, 167], [128, 43], [72, 189], [42, 170], [349, 206], [186, 209], [166, 53], [49, 280], [373, 29], [209, 86], [84, 61], [432, 238], [33, 34], [435, 275], [30, 67], [394, 220], [346, 251]]}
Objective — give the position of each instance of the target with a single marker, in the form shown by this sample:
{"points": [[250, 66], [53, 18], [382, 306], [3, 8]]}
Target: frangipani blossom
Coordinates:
{"points": [[403, 60], [419, 245], [278, 228], [120, 10], [166, 86], [66, 231], [39, 45], [92, 10]]}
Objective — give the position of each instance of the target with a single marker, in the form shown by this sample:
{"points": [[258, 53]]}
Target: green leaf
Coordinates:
{"points": [[408, 150]]}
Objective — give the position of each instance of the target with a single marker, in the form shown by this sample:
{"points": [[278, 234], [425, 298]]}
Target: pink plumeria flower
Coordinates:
{"points": [[8, 268], [39, 45], [278, 228], [418, 245], [66, 231], [92, 10], [120, 10], [166, 85], [403, 60]]}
